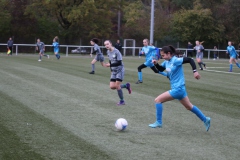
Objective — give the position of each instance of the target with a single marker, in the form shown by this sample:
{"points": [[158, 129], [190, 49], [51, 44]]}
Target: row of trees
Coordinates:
{"points": [[212, 21]]}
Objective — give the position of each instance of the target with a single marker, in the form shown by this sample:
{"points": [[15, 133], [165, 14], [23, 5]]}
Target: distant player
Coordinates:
{"points": [[233, 56], [99, 56], [199, 54], [41, 48], [117, 71], [56, 47], [150, 53]]}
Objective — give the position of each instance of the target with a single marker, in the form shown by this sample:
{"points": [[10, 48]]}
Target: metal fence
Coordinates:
{"points": [[127, 51]]}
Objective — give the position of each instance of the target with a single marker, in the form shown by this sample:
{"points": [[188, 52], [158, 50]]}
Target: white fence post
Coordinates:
{"points": [[16, 50], [67, 51]]}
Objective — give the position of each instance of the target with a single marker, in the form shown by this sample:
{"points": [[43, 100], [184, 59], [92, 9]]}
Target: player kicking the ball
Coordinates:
{"points": [[117, 71]]}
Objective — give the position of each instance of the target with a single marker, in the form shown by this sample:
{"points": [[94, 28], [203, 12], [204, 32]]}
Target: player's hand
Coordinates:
{"points": [[197, 75], [154, 61], [106, 64]]}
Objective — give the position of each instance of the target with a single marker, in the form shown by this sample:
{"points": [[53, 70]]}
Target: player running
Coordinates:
{"points": [[99, 56], [41, 48], [150, 53], [173, 66], [117, 71], [199, 55], [233, 56], [56, 47]]}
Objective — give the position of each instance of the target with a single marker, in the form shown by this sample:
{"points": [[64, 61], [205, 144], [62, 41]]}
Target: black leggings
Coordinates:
{"points": [[144, 66]]}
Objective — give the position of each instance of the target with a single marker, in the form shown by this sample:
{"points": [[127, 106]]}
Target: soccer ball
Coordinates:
{"points": [[121, 124]]}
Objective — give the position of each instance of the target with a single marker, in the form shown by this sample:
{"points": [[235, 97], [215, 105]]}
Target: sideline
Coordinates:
{"points": [[220, 71]]}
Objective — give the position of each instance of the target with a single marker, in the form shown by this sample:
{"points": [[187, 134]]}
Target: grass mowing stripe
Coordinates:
{"points": [[38, 137], [12, 147], [41, 88]]}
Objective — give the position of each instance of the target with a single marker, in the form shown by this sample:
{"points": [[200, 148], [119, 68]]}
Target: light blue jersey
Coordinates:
{"points": [[150, 54], [175, 72], [56, 47], [232, 52]]}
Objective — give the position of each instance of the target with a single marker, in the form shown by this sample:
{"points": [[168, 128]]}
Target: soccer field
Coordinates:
{"points": [[55, 109]]}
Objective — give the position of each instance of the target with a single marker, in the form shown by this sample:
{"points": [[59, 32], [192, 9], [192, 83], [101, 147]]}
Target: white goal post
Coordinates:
{"points": [[131, 47]]}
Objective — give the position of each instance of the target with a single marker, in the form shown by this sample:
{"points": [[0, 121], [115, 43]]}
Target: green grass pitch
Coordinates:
{"points": [[55, 109]]}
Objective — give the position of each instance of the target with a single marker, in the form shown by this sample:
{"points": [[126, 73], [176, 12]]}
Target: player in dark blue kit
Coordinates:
{"points": [[117, 71], [173, 66]]}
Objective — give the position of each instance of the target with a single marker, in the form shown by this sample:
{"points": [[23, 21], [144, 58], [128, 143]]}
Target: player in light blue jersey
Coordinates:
{"points": [[117, 71], [150, 53], [233, 55], [56, 47], [99, 56], [40, 46], [174, 68]]}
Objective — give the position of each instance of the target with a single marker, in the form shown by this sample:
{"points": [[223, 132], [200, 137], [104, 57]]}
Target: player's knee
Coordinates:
{"points": [[139, 69], [112, 87], [118, 87], [154, 70], [157, 100], [188, 107]]}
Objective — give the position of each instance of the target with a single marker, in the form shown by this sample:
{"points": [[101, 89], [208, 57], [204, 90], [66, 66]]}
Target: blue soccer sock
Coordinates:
{"points": [[56, 56], [238, 65], [40, 57], [199, 113], [140, 76], [231, 67], [159, 109], [93, 67], [120, 94]]}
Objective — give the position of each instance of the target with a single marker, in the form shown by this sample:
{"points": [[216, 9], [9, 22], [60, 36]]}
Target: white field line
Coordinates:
{"points": [[220, 71]]}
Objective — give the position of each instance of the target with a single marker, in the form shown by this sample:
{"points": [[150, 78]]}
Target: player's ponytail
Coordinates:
{"points": [[172, 49], [169, 49]]}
